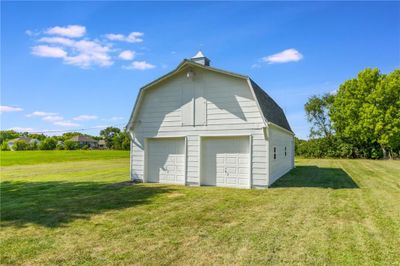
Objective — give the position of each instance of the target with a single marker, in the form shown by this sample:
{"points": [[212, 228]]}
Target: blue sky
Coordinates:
{"points": [[67, 66]]}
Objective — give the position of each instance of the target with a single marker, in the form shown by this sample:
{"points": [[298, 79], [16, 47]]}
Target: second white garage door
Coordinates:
{"points": [[166, 160], [225, 161]]}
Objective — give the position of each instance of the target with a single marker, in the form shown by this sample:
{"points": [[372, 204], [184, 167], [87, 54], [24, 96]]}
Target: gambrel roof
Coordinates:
{"points": [[270, 110]]}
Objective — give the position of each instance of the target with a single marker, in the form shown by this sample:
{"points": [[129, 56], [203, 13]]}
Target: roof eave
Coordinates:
{"points": [[282, 128]]}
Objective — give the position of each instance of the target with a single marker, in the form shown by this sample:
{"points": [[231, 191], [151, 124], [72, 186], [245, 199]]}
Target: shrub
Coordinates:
{"points": [[71, 145], [48, 144], [60, 146], [20, 145], [4, 146], [33, 146]]}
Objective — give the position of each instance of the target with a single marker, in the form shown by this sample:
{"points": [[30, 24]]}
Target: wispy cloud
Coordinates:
{"points": [[40, 113], [139, 65], [114, 118], [21, 129], [72, 31], [101, 126], [53, 118], [32, 33], [286, 56], [133, 37], [85, 117], [8, 109], [127, 55], [66, 123]]}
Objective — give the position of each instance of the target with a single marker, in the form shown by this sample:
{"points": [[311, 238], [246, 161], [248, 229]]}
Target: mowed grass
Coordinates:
{"points": [[34, 157], [325, 212]]}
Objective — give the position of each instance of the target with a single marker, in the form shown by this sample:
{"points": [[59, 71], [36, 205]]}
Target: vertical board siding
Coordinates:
{"points": [[224, 105]]}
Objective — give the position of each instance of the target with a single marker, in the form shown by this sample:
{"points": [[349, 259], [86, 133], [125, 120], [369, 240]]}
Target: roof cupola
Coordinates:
{"points": [[200, 58]]}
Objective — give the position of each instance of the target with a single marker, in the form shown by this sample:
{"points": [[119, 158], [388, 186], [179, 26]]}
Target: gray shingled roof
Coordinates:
{"points": [[82, 138], [271, 110]]}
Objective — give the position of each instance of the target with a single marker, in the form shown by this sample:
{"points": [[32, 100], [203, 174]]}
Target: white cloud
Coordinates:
{"points": [[40, 113], [21, 129], [53, 118], [82, 53], [140, 65], [333, 92], [101, 126], [289, 55], [72, 31], [48, 51], [113, 118], [7, 109], [90, 53], [85, 117], [57, 40], [133, 37], [127, 55], [31, 33], [67, 44], [66, 124]]}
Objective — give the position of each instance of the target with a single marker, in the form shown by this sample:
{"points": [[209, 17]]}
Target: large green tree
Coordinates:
{"points": [[365, 111], [8, 134], [381, 113], [317, 111], [108, 135]]}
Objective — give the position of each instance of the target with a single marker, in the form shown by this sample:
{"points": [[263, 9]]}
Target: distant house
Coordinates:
{"points": [[84, 140], [102, 144], [25, 139]]}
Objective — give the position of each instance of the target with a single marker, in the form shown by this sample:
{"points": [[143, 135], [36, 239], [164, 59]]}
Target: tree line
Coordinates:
{"points": [[114, 138], [361, 120]]}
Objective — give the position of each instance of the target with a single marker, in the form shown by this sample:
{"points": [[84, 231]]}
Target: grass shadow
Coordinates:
{"points": [[314, 176], [54, 204]]}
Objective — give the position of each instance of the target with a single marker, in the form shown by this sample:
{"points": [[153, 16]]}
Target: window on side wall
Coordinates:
{"points": [[285, 151], [274, 153]]}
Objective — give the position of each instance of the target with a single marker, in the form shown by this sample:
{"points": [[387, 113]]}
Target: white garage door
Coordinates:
{"points": [[225, 161], [166, 161]]}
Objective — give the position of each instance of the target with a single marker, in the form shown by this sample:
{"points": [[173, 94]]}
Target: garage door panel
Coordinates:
{"points": [[166, 161], [243, 171], [225, 161]]}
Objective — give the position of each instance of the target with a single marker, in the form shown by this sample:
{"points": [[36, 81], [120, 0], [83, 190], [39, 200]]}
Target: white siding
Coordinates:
{"points": [[223, 105], [281, 164]]}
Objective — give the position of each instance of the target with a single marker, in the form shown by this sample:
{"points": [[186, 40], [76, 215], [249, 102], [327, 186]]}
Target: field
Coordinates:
{"points": [[325, 212], [35, 157]]}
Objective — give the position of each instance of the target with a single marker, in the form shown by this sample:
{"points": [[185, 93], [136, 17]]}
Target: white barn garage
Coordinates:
{"points": [[199, 125]]}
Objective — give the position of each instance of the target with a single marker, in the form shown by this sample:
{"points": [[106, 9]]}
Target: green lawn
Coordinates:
{"points": [[325, 212], [34, 157]]}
